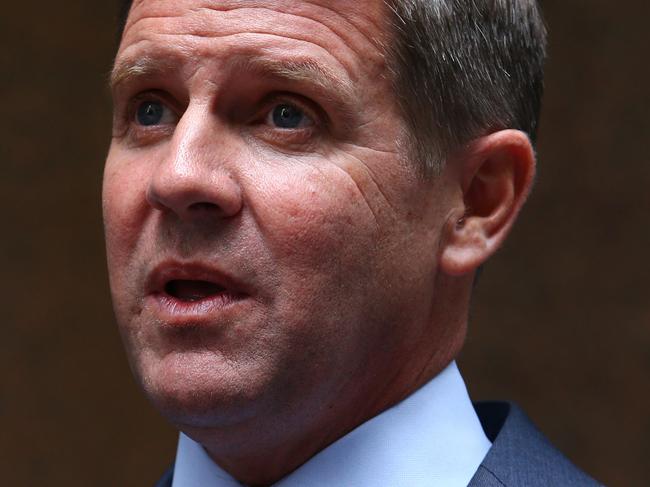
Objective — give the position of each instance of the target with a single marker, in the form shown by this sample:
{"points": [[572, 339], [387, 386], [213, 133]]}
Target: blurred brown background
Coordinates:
{"points": [[561, 321]]}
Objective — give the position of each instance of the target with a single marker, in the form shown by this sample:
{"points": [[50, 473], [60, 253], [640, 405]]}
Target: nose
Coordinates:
{"points": [[193, 179]]}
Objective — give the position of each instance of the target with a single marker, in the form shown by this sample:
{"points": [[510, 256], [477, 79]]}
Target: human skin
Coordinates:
{"points": [[341, 276]]}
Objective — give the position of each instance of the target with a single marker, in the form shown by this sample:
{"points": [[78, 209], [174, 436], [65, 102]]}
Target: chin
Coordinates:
{"points": [[200, 390]]}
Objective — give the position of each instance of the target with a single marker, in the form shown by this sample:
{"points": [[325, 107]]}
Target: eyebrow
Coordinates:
{"points": [[143, 67], [298, 71]]}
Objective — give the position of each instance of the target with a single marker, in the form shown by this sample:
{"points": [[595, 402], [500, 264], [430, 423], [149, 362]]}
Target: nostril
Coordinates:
{"points": [[194, 194], [204, 207]]}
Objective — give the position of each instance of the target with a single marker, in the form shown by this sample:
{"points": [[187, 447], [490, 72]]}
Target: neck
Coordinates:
{"points": [[272, 444]]}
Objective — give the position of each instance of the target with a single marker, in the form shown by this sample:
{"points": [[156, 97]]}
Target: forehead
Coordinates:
{"points": [[200, 27], [334, 9]]}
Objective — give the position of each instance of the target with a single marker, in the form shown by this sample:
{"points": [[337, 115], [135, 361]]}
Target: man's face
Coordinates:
{"points": [[271, 248]]}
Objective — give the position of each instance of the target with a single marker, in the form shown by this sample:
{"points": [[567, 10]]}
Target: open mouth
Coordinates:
{"points": [[192, 293], [192, 290]]}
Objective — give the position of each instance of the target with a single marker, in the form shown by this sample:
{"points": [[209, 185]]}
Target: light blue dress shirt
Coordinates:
{"points": [[431, 438]]}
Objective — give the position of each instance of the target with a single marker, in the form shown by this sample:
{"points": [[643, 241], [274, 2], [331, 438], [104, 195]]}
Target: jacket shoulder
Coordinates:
{"points": [[520, 454]]}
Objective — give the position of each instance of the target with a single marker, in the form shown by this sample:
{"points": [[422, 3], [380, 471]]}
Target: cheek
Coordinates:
{"points": [[321, 236], [123, 204], [333, 260], [311, 220], [124, 210]]}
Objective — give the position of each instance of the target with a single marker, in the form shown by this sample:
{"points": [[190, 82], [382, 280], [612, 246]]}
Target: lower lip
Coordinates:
{"points": [[179, 313]]}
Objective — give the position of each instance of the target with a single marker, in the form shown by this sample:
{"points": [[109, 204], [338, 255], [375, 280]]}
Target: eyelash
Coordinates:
{"points": [[126, 127], [140, 134]]}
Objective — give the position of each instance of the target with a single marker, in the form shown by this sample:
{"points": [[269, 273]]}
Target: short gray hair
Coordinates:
{"points": [[461, 69], [465, 68]]}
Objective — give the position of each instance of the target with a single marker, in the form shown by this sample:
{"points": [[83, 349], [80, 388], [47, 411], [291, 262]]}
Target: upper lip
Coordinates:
{"points": [[168, 271]]}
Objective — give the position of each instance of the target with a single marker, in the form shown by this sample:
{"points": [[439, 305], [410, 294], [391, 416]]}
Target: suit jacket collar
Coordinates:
{"points": [[520, 454]]}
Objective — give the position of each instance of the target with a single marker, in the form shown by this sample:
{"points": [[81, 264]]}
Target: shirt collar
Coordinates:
{"points": [[433, 437]]}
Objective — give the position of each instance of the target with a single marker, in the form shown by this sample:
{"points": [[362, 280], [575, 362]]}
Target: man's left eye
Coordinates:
{"points": [[288, 116]]}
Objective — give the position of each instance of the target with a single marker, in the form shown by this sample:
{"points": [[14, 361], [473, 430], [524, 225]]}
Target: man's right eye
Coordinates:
{"points": [[152, 112]]}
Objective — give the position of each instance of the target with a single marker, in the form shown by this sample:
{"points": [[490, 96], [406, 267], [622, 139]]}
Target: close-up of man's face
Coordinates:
{"points": [[340, 243], [272, 246]]}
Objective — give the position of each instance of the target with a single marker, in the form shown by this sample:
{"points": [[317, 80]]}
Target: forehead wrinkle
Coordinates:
{"points": [[334, 22], [376, 42], [340, 25], [354, 28], [297, 70]]}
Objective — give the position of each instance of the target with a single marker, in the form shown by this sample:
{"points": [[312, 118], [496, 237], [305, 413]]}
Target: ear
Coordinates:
{"points": [[495, 174]]}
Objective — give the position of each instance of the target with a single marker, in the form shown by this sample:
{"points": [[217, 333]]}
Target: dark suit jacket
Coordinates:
{"points": [[520, 455]]}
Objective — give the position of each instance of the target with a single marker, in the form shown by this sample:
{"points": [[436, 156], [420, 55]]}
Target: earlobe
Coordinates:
{"points": [[496, 174]]}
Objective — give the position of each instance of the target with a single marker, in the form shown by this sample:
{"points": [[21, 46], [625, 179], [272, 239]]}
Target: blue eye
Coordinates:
{"points": [[286, 116], [150, 113]]}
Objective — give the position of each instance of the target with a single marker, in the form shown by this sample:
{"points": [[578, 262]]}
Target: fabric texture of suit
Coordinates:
{"points": [[520, 455]]}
